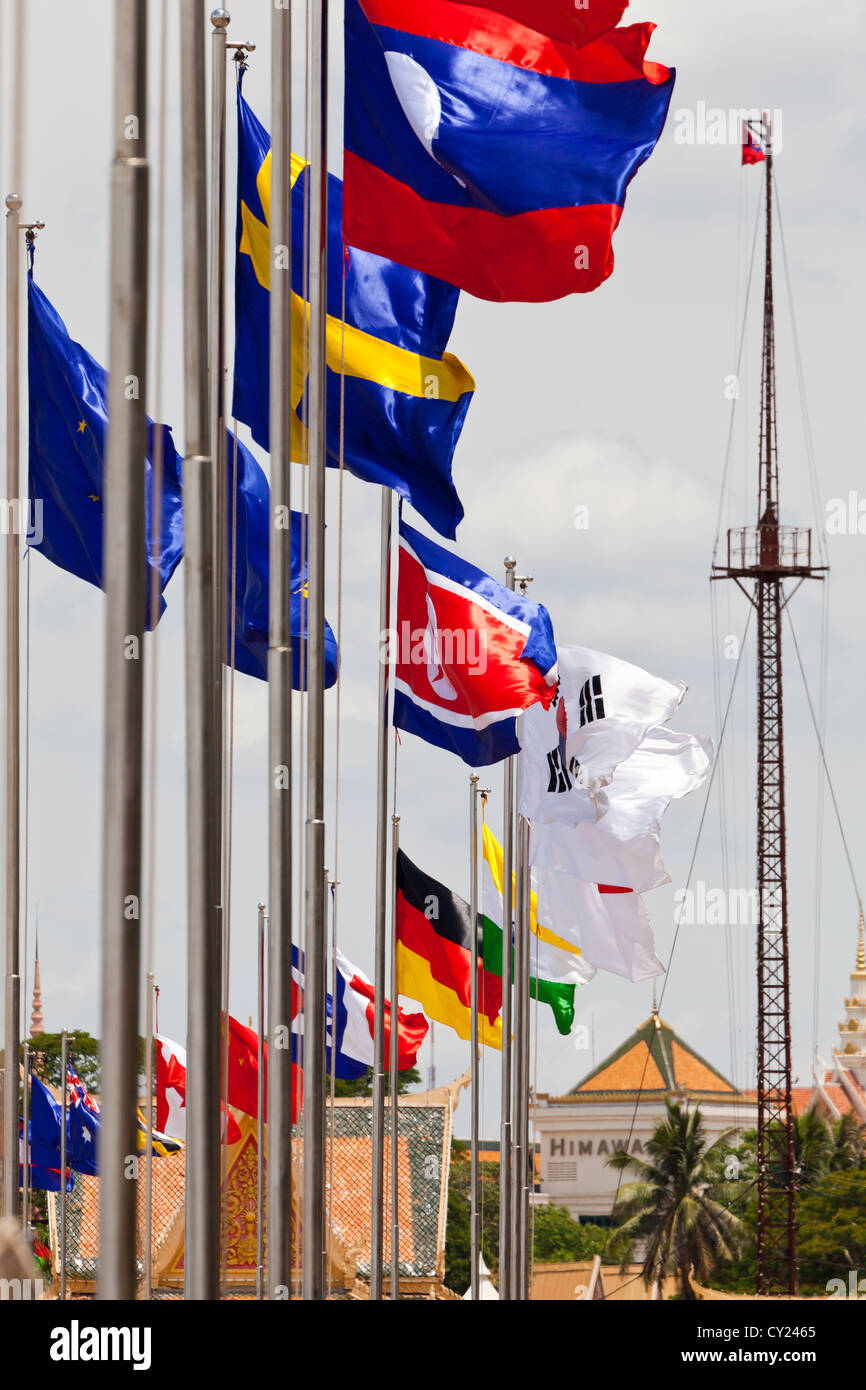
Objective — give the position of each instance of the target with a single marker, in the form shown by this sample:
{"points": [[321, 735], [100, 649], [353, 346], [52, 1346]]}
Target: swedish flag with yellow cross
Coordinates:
{"points": [[404, 398]]}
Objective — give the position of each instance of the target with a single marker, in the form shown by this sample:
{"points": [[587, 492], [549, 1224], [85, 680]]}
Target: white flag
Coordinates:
{"points": [[611, 929], [605, 708], [616, 839]]}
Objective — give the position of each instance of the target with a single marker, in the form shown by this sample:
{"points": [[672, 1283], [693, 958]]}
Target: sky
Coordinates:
{"points": [[615, 401]]}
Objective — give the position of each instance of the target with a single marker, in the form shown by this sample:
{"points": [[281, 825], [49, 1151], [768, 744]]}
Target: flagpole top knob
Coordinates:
{"points": [[220, 19], [509, 562], [261, 907], [13, 201]]}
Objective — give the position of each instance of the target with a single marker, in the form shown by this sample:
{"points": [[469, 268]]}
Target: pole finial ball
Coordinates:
{"points": [[220, 19], [509, 562], [13, 201]]}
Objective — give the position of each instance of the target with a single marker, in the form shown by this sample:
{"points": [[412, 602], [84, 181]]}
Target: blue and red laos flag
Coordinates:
{"points": [[753, 151], [470, 655], [489, 154]]}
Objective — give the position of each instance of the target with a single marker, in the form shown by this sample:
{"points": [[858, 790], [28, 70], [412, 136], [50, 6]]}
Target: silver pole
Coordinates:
{"points": [[279, 1138], [148, 1141], [12, 1030], [395, 1072], [505, 1131], [474, 1210], [25, 1168], [377, 1213], [125, 584], [64, 1112], [316, 926], [202, 1199], [521, 1148], [260, 1121]]}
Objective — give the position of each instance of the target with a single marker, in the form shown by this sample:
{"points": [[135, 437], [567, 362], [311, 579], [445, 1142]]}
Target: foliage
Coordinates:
{"points": [[559, 1239], [83, 1052], [364, 1084], [679, 1204], [458, 1262]]}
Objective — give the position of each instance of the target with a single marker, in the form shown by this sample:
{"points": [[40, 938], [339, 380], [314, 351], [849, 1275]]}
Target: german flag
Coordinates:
{"points": [[434, 956]]}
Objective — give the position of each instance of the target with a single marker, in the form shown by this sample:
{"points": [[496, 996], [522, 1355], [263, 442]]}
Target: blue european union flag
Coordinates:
{"points": [[251, 564], [404, 397], [68, 421]]}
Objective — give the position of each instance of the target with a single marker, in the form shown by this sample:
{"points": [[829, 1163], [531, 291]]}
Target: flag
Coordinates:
{"points": [[434, 956], [556, 966], [489, 154], [39, 1178], [345, 1067], [622, 846], [610, 926], [171, 1096], [403, 397], [603, 709], [753, 151], [354, 1009], [68, 421], [84, 1126], [470, 654], [162, 1144], [566, 20], [249, 526]]}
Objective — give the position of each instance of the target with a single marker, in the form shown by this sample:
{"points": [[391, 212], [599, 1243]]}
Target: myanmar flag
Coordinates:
{"points": [[434, 956], [556, 966]]}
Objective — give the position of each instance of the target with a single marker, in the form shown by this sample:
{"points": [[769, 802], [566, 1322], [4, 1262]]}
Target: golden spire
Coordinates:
{"points": [[861, 952], [37, 1022]]}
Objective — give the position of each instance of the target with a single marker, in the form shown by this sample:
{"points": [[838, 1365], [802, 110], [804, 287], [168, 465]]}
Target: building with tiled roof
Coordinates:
{"points": [[617, 1106]]}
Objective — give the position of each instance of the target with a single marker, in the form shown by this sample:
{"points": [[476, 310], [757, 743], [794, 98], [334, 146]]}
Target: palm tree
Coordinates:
{"points": [[671, 1205], [813, 1148], [849, 1149]]}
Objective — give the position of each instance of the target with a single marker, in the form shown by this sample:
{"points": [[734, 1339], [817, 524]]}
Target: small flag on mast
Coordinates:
{"points": [[753, 150]]}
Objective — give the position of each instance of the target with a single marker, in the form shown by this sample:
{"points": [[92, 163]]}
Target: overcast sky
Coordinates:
{"points": [[615, 401]]}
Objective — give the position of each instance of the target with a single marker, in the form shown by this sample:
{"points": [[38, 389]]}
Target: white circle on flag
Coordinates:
{"points": [[418, 95]]}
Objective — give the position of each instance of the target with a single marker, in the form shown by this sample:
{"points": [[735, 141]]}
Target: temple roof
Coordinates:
{"points": [[653, 1061]]}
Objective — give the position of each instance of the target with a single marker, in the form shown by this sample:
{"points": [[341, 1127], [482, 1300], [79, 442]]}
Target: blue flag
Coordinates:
{"points": [[84, 1127], [405, 398], [252, 569], [68, 420]]}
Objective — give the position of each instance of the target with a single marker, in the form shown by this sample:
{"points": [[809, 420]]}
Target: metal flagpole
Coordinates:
{"points": [[260, 1120], [522, 1157], [201, 1256], [216, 361], [12, 1031], [25, 1167], [505, 1135], [474, 1214], [148, 1141], [279, 1136], [316, 926], [395, 1072], [378, 1146], [64, 1110], [125, 584]]}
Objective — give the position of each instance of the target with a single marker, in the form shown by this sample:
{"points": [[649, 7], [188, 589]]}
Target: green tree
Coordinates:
{"points": [[676, 1205], [364, 1084], [458, 1262], [560, 1239], [813, 1148], [83, 1052], [849, 1146]]}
